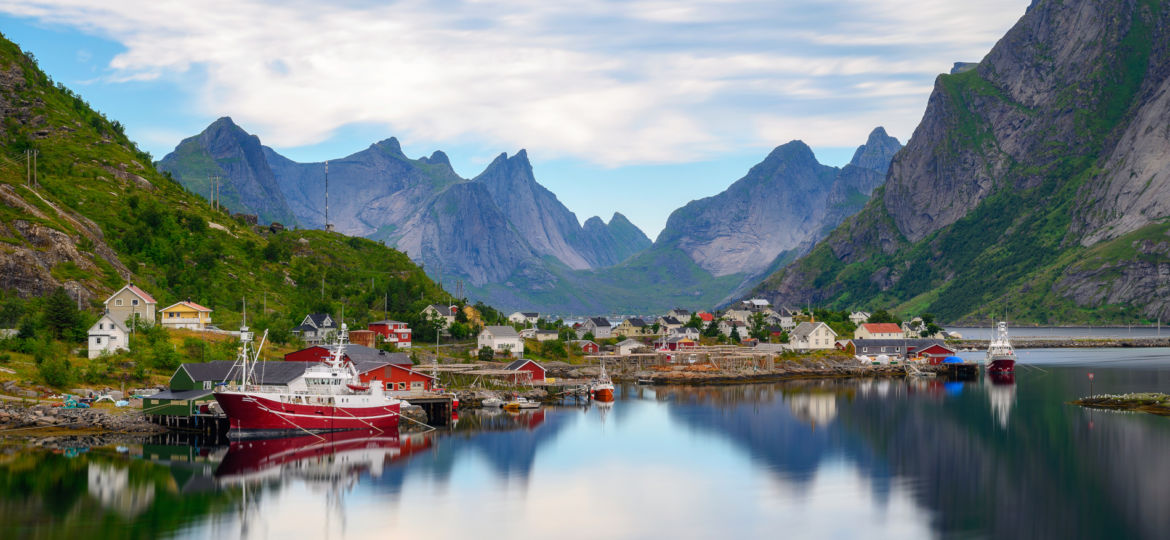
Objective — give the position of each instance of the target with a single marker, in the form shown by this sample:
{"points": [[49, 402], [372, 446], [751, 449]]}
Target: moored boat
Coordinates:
{"points": [[602, 388], [1001, 356], [327, 397], [521, 403]]}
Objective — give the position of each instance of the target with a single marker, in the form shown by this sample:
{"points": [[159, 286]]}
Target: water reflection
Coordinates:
{"points": [[1003, 457]]}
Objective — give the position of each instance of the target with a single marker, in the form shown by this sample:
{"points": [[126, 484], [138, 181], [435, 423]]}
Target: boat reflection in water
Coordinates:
{"points": [[330, 457], [1001, 391]]}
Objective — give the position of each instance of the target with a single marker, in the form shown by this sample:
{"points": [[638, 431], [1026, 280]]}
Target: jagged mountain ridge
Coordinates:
{"points": [[482, 230], [1037, 183]]}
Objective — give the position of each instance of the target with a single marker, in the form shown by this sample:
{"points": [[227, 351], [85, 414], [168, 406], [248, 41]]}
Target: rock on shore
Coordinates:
{"points": [[14, 416]]}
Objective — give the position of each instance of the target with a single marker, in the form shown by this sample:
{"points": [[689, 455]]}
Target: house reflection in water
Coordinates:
{"points": [[814, 409], [110, 486]]}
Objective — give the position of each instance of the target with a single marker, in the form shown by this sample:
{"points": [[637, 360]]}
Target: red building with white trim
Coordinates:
{"points": [[396, 332], [395, 370], [529, 366]]}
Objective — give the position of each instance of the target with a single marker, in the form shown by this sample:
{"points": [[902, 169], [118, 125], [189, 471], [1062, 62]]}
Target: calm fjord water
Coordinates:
{"points": [[835, 459]]}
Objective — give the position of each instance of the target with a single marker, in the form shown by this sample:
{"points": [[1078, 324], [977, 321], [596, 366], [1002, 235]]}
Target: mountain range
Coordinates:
{"points": [[1037, 185], [515, 245]]}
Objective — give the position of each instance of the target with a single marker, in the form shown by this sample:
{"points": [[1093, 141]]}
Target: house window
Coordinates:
{"points": [[118, 302], [402, 386], [99, 341], [416, 385], [134, 302]]}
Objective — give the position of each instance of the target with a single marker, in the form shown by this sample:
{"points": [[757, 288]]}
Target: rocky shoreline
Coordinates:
{"points": [[25, 419], [826, 369], [1153, 403]]}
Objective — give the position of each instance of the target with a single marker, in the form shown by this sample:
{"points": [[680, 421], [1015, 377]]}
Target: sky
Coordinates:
{"points": [[635, 106]]}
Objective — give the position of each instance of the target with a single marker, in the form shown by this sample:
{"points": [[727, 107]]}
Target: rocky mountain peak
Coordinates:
{"points": [[877, 151], [390, 146], [438, 158]]}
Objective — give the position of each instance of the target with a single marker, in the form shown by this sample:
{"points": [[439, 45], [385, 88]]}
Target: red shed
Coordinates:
{"points": [[361, 337], [530, 366], [586, 346], [935, 353]]}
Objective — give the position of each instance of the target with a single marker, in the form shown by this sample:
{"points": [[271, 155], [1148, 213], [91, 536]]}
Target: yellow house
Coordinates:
{"points": [[185, 315]]}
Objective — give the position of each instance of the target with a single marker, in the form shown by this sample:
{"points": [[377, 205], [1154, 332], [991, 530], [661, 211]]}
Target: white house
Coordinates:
{"points": [[316, 328], [108, 335], [547, 335], [681, 314], [726, 326], [756, 304], [686, 331], [629, 346], [741, 315], [598, 326], [859, 317], [524, 317], [501, 340], [878, 331], [667, 324], [809, 336], [446, 313]]}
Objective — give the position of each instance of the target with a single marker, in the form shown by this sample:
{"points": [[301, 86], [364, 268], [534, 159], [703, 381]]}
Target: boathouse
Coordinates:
{"points": [[526, 365], [191, 386]]}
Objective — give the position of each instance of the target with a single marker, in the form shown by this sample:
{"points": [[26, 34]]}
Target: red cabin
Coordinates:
{"points": [[587, 347], [936, 353], [529, 366]]}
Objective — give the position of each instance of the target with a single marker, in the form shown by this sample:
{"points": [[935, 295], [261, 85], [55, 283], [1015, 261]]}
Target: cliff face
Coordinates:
{"points": [[1029, 177], [785, 202], [226, 151], [613, 242]]}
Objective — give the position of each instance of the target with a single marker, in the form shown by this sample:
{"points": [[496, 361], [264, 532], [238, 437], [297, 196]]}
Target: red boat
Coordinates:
{"points": [[1001, 356], [362, 450], [602, 388], [324, 398]]}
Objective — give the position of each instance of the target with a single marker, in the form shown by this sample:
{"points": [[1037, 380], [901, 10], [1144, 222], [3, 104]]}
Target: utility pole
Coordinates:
{"points": [[326, 195], [36, 182], [28, 167], [322, 287]]}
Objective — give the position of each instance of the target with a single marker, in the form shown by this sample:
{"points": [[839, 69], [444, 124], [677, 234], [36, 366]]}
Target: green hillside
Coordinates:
{"points": [[101, 214]]}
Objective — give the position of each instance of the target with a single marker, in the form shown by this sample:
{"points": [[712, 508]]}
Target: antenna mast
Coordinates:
{"points": [[327, 227]]}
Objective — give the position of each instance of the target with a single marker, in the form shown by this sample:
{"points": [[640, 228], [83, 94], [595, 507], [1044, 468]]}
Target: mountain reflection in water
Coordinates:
{"points": [[1003, 457]]}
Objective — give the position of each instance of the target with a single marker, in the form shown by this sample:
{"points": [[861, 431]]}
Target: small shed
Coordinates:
{"points": [[530, 366]]}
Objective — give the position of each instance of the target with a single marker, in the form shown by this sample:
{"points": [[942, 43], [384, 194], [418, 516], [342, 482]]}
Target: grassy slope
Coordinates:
{"points": [[164, 233]]}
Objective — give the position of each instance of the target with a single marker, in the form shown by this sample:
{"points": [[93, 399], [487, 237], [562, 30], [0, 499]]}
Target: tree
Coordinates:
{"points": [[758, 326], [694, 322], [61, 316], [712, 329], [783, 337], [588, 336], [735, 334], [883, 316], [486, 354]]}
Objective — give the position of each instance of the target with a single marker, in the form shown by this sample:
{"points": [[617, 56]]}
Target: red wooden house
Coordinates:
{"points": [[586, 346], [936, 353], [526, 365], [396, 332]]}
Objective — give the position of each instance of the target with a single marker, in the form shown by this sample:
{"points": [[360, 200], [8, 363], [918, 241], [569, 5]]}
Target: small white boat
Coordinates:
{"points": [[521, 403], [492, 402]]}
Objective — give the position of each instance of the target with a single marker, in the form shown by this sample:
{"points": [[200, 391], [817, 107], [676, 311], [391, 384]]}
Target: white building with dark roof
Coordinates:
{"points": [[501, 340]]}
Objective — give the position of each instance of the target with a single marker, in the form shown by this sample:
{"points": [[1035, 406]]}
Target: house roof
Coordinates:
{"points": [[387, 321], [181, 394], [530, 313], [757, 302], [107, 317], [599, 321], [138, 292], [681, 311], [916, 344], [318, 320], [860, 313], [582, 342], [636, 322], [265, 372], [786, 312], [361, 353], [669, 320], [882, 328], [630, 341], [547, 332], [803, 329], [188, 304], [707, 317], [501, 331], [517, 364], [443, 310]]}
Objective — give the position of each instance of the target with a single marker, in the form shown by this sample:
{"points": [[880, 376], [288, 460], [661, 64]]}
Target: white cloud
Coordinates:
{"points": [[614, 82]]}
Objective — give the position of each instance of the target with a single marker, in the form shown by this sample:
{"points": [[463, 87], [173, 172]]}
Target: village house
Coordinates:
{"points": [[931, 349], [316, 328], [546, 335], [785, 318], [629, 346], [740, 315], [503, 340], [674, 343], [859, 317], [131, 302], [686, 331], [527, 370], [809, 336], [187, 315], [668, 324], [681, 314], [707, 318], [878, 331], [726, 326], [108, 336], [528, 333], [524, 317], [585, 346], [631, 328], [916, 326], [396, 333], [755, 305], [598, 326], [439, 311]]}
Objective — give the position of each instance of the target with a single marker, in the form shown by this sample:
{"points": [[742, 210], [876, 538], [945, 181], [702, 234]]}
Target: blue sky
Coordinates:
{"points": [[634, 106]]}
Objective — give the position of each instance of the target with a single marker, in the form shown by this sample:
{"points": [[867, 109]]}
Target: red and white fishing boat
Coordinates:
{"points": [[602, 387], [1001, 356], [329, 396]]}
